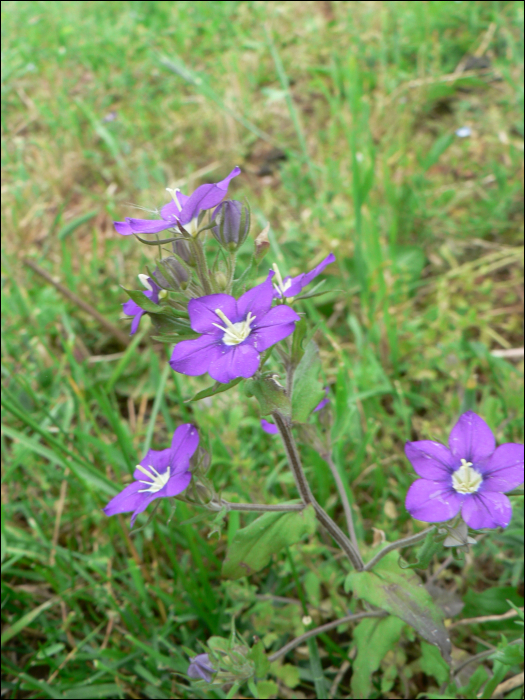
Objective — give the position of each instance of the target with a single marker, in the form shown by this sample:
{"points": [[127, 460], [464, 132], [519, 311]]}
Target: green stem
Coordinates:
{"points": [[398, 544], [306, 495]]}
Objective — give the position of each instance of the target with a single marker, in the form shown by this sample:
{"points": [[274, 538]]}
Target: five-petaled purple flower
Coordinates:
{"points": [[272, 429], [292, 286], [234, 333], [183, 209], [470, 477], [200, 667], [161, 474], [131, 308]]}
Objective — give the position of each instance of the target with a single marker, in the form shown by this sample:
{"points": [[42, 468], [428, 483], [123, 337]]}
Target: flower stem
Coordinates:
{"points": [[323, 628], [306, 495], [255, 507], [344, 498], [398, 544]]}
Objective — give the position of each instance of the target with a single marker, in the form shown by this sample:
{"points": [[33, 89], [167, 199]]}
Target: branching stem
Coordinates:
{"points": [[255, 507], [323, 628], [398, 544], [306, 495]]}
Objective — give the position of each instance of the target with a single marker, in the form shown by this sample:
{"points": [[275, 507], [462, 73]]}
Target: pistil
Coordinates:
{"points": [[234, 333], [466, 479], [158, 481]]}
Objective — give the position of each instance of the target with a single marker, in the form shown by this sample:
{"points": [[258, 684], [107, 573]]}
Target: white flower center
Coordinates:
{"points": [[466, 479], [234, 333], [280, 287], [157, 481]]}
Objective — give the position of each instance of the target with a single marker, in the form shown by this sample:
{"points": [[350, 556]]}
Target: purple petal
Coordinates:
{"points": [[430, 459], [171, 210], [132, 309], [471, 439], [278, 323], [203, 316], [258, 300], [486, 510], [144, 503], [205, 197], [295, 287], [432, 501], [123, 228], [176, 484], [184, 443], [158, 459], [269, 428], [193, 357], [322, 403], [200, 667], [302, 280], [504, 469], [318, 269], [234, 361], [125, 501], [148, 226]]}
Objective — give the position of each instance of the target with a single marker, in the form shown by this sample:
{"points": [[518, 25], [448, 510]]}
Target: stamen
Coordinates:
{"points": [[234, 333], [158, 481], [281, 286], [174, 195], [145, 281], [466, 479]]}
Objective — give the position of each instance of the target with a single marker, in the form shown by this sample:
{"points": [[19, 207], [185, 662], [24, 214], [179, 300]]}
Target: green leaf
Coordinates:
{"points": [[217, 388], [307, 389], [252, 547], [373, 637], [425, 553], [401, 593], [433, 664], [475, 682], [297, 341], [270, 395], [260, 660], [267, 689], [509, 654], [287, 673], [26, 620], [142, 300]]}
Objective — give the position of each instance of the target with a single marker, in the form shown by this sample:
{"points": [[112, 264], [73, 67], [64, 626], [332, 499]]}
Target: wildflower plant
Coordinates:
{"points": [[248, 326]]}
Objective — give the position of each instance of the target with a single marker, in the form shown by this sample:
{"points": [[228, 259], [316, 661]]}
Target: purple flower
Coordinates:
{"points": [[200, 667], [272, 429], [131, 308], [234, 333], [470, 477], [292, 286], [183, 209], [161, 474]]}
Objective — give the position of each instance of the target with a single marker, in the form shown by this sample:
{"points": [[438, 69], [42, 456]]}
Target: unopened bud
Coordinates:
{"points": [[183, 250], [232, 224], [171, 274], [262, 244], [222, 281]]}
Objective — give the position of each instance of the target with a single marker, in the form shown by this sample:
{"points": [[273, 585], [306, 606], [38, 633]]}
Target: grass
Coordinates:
{"points": [[342, 117]]}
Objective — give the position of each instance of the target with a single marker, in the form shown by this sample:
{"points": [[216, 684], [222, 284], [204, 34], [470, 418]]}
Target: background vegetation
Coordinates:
{"points": [[342, 116]]}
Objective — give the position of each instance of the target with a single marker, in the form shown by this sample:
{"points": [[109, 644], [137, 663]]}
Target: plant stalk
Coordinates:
{"points": [[306, 495]]}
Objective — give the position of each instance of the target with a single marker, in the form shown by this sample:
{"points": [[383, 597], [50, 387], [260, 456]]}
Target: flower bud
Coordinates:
{"points": [[232, 224], [183, 250], [171, 274], [262, 244], [222, 281]]}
